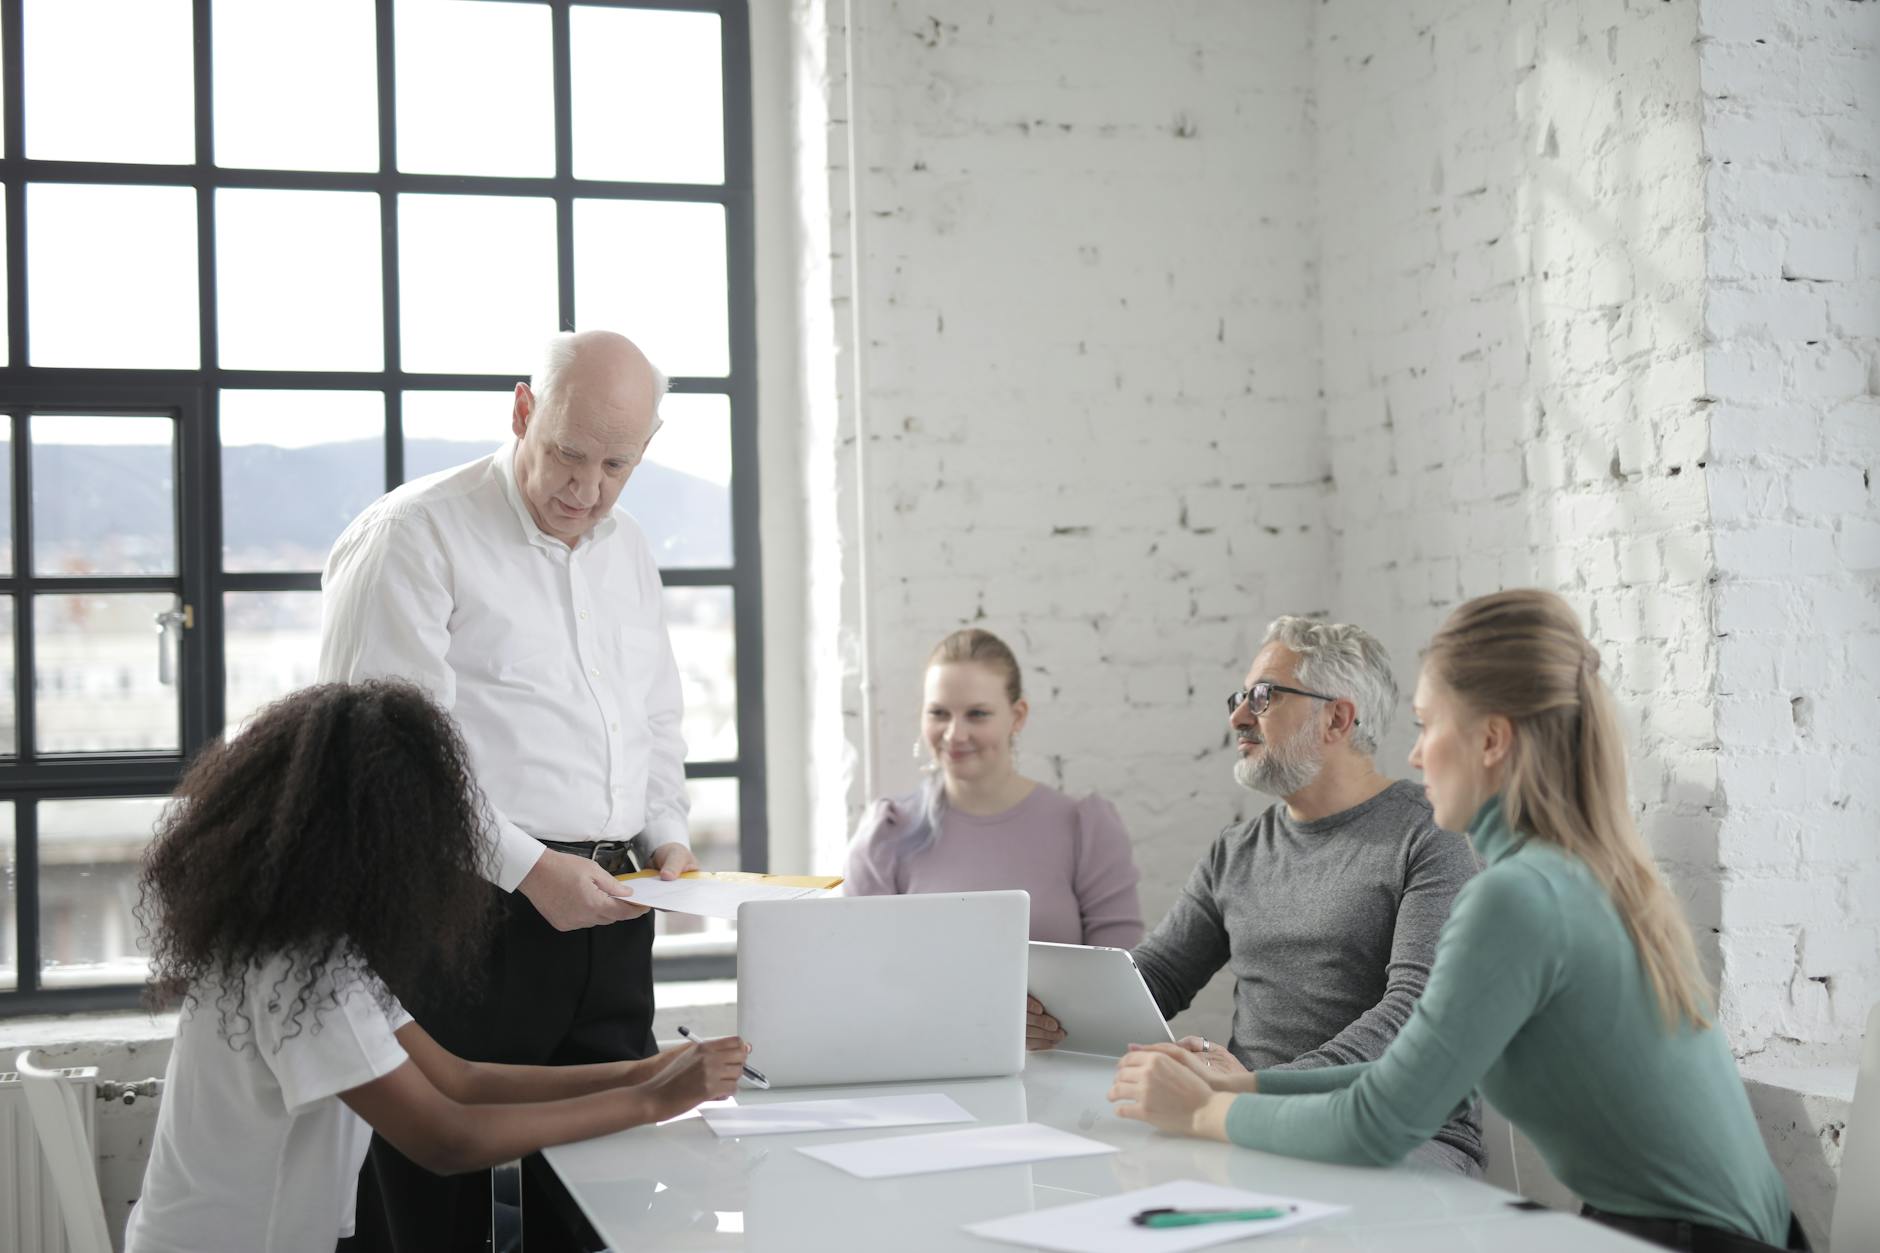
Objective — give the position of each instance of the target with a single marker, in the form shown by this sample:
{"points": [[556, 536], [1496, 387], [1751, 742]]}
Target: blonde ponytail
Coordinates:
{"points": [[1521, 654]]}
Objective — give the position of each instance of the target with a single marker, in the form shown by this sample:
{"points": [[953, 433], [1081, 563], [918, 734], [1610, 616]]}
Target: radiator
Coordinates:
{"points": [[29, 1206]]}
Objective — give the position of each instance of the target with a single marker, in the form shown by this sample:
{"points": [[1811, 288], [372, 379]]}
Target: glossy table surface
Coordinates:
{"points": [[679, 1187]]}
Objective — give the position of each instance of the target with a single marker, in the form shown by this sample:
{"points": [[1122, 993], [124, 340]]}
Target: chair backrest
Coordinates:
{"points": [[1511, 1162], [1857, 1196], [60, 1126]]}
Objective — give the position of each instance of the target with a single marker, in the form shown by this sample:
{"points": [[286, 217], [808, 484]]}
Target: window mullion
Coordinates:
{"points": [[388, 242], [24, 707], [563, 87], [26, 893], [199, 554]]}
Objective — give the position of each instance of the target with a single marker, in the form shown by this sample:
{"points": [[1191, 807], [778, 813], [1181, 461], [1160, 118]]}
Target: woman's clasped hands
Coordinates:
{"points": [[1172, 1089]]}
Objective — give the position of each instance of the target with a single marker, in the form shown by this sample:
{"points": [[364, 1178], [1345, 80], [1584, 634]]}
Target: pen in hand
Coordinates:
{"points": [[1170, 1217], [750, 1072]]}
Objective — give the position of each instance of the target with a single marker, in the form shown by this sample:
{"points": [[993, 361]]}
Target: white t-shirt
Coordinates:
{"points": [[254, 1151]]}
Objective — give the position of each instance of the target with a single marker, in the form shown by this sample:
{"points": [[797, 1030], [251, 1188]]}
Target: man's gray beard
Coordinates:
{"points": [[1284, 768]]}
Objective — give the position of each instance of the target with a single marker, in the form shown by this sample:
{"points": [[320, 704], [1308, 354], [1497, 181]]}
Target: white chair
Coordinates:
{"points": [[60, 1126], [1512, 1163], [1857, 1196]]}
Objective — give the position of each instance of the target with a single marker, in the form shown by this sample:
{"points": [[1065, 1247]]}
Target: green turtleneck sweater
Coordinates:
{"points": [[1537, 997]]}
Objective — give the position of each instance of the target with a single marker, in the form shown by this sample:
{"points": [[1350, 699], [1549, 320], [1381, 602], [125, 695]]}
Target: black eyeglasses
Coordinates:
{"points": [[1259, 698]]}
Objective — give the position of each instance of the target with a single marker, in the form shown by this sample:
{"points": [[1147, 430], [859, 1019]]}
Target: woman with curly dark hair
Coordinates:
{"points": [[316, 874]]}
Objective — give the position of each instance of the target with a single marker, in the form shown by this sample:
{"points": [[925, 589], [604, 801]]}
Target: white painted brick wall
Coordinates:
{"points": [[1173, 317], [1089, 411], [1792, 327], [1512, 281]]}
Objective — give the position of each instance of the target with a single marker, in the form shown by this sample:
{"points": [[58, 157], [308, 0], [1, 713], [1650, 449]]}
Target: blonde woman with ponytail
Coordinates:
{"points": [[1565, 986]]}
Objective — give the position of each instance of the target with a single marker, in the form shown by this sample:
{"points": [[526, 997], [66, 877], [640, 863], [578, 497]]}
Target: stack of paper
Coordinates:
{"points": [[1104, 1226], [854, 1114], [956, 1150], [718, 893]]}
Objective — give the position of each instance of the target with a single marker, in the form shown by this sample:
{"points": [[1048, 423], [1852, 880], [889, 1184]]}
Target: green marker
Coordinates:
{"points": [[1196, 1217]]}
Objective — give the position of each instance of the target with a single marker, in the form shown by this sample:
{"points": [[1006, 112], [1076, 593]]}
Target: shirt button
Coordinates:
{"points": [[595, 671], [613, 726], [584, 615]]}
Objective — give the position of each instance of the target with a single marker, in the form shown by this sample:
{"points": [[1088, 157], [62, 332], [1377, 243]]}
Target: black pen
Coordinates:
{"points": [[750, 1072]]}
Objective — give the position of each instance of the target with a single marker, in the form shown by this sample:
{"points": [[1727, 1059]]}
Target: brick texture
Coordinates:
{"points": [[1792, 362], [1140, 324]]}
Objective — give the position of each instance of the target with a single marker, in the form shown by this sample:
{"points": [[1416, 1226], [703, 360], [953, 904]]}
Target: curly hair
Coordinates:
{"points": [[341, 828]]}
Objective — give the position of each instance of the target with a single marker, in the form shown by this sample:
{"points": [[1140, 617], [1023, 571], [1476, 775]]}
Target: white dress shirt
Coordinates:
{"points": [[554, 661]]}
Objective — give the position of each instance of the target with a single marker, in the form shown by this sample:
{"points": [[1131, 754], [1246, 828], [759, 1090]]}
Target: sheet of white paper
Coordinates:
{"points": [[711, 898], [955, 1150], [855, 1114], [1103, 1226], [699, 1111]]}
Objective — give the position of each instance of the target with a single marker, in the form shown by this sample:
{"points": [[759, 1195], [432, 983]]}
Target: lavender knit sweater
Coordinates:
{"points": [[1072, 856]]}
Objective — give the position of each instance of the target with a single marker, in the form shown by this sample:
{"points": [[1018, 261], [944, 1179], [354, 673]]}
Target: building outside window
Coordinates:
{"points": [[266, 259]]}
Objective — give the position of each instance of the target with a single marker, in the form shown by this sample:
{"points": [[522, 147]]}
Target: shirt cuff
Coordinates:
{"points": [[516, 854], [659, 833], [1304, 1082], [1247, 1123]]}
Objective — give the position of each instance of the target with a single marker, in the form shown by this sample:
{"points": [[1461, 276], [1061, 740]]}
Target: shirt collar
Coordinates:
{"points": [[1490, 834], [512, 492]]}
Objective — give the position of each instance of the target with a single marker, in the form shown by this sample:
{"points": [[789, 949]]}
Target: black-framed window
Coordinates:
{"points": [[264, 260]]}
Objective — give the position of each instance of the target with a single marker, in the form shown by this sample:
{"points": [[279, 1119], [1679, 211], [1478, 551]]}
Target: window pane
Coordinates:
{"points": [[315, 110], [681, 496], [110, 80], [6, 344], [445, 429], [9, 903], [476, 282], [655, 273], [648, 95], [474, 88], [104, 495], [699, 621], [714, 829], [96, 674], [296, 468], [273, 641], [9, 718], [112, 275], [90, 854], [297, 280], [6, 493]]}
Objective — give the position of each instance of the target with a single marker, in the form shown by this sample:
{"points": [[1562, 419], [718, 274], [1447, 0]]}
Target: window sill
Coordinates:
{"points": [[50, 1031], [1803, 1112], [708, 1006]]}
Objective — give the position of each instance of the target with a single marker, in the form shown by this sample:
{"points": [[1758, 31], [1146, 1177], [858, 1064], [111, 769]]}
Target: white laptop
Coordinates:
{"points": [[884, 989], [1098, 997]]}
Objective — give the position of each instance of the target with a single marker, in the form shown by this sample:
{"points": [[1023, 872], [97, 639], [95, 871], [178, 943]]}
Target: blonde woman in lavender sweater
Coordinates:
{"points": [[979, 825]]}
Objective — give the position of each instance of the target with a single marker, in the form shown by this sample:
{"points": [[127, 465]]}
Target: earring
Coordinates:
{"points": [[927, 764], [1014, 748]]}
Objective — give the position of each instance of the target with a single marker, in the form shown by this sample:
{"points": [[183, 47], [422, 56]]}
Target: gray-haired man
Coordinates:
{"points": [[1326, 905]]}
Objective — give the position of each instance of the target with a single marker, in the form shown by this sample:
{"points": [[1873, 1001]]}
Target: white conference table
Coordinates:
{"points": [[679, 1187]]}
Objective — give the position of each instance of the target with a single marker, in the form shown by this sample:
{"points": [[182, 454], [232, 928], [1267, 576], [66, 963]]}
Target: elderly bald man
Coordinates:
{"points": [[513, 590]]}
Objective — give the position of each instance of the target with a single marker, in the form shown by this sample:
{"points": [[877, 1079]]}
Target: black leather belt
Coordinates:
{"points": [[1673, 1233], [613, 856]]}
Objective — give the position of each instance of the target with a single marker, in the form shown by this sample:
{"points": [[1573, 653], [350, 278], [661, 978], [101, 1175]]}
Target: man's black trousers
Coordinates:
{"points": [[552, 998]]}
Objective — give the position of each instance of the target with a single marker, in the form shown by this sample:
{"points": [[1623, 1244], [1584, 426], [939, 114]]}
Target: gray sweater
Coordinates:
{"points": [[1329, 928]]}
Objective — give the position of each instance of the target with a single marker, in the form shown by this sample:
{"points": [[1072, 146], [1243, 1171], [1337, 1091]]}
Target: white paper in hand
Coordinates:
{"points": [[854, 1114], [712, 898], [1103, 1226], [1004, 1145]]}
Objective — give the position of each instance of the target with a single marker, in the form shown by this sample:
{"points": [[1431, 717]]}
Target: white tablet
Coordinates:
{"points": [[1097, 994]]}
